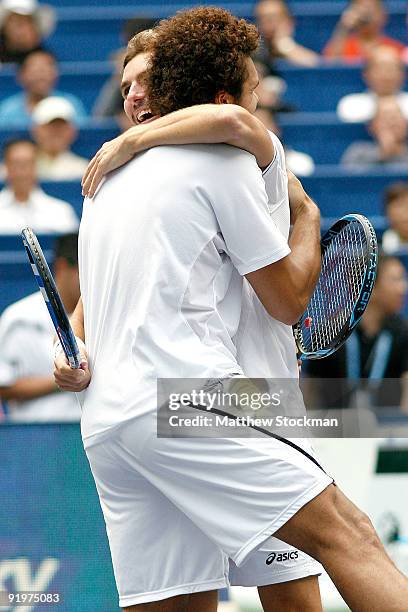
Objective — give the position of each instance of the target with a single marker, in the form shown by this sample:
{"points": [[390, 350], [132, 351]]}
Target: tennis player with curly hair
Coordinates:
{"points": [[189, 221]]}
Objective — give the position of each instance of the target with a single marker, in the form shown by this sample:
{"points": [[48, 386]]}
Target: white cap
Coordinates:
{"points": [[42, 13], [53, 108]]}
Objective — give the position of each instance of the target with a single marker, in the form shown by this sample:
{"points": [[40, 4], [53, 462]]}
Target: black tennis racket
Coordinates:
{"points": [[349, 268], [51, 297]]}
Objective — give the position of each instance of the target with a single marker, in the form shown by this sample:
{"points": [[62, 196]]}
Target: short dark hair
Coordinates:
{"points": [[66, 247], [393, 192], [142, 42], [11, 142], [198, 53], [37, 52]]}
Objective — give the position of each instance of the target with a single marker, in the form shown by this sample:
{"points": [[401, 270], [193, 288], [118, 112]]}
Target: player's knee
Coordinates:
{"points": [[344, 526], [365, 534], [357, 524]]}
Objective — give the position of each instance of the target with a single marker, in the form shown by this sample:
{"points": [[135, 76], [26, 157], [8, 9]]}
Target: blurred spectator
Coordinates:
{"points": [[54, 131], [384, 75], [299, 163], [396, 210], [37, 76], [23, 26], [276, 26], [377, 351], [23, 203], [26, 338], [360, 29], [389, 147], [109, 102]]}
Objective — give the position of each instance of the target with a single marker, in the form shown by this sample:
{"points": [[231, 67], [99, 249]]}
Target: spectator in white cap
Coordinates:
{"points": [[24, 24], [54, 130]]}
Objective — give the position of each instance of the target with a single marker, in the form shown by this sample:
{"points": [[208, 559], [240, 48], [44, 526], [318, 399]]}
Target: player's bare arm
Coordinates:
{"points": [[77, 320], [28, 388], [285, 287], [66, 377], [202, 124]]}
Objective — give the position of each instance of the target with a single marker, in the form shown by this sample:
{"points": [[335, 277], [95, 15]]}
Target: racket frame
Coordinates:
{"points": [[51, 297], [366, 289]]}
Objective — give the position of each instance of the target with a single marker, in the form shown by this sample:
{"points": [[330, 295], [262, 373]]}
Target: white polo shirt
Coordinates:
{"points": [[155, 253], [41, 212], [26, 337]]}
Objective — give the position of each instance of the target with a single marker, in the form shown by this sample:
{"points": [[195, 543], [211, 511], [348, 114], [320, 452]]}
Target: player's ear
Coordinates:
{"points": [[223, 97]]}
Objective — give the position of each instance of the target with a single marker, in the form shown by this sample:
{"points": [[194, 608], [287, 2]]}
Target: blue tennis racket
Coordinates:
{"points": [[51, 297], [347, 277]]}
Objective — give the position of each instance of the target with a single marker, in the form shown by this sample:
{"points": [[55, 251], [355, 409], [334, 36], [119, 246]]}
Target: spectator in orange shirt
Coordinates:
{"points": [[360, 29]]}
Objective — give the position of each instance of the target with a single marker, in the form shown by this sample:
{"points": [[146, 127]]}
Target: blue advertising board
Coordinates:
{"points": [[52, 532]]}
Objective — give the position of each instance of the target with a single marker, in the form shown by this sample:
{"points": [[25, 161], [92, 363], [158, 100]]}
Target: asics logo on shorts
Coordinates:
{"points": [[288, 555]]}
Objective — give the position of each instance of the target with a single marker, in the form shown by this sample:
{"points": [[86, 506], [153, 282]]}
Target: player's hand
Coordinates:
{"points": [[70, 379], [110, 156]]}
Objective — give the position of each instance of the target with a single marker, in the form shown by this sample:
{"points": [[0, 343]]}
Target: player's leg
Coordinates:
{"points": [[285, 576], [302, 595], [239, 492], [334, 531], [193, 602]]}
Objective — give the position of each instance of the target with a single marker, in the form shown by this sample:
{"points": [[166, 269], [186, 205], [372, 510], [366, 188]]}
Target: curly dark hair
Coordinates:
{"points": [[198, 53]]}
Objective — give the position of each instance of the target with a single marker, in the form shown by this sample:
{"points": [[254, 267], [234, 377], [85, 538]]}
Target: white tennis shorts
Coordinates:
{"points": [[185, 515]]}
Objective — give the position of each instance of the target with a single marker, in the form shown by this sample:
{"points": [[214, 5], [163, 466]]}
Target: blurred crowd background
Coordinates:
{"points": [[333, 86]]}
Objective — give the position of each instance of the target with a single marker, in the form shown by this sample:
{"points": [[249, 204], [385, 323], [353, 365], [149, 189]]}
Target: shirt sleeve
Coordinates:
{"points": [[240, 204], [22, 352], [275, 176], [9, 361]]}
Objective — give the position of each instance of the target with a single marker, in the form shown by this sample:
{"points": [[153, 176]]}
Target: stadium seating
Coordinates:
{"points": [[320, 135], [84, 80], [90, 137], [324, 85], [97, 25]]}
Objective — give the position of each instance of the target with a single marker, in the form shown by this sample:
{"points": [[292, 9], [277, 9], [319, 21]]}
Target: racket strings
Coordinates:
{"points": [[339, 286]]}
